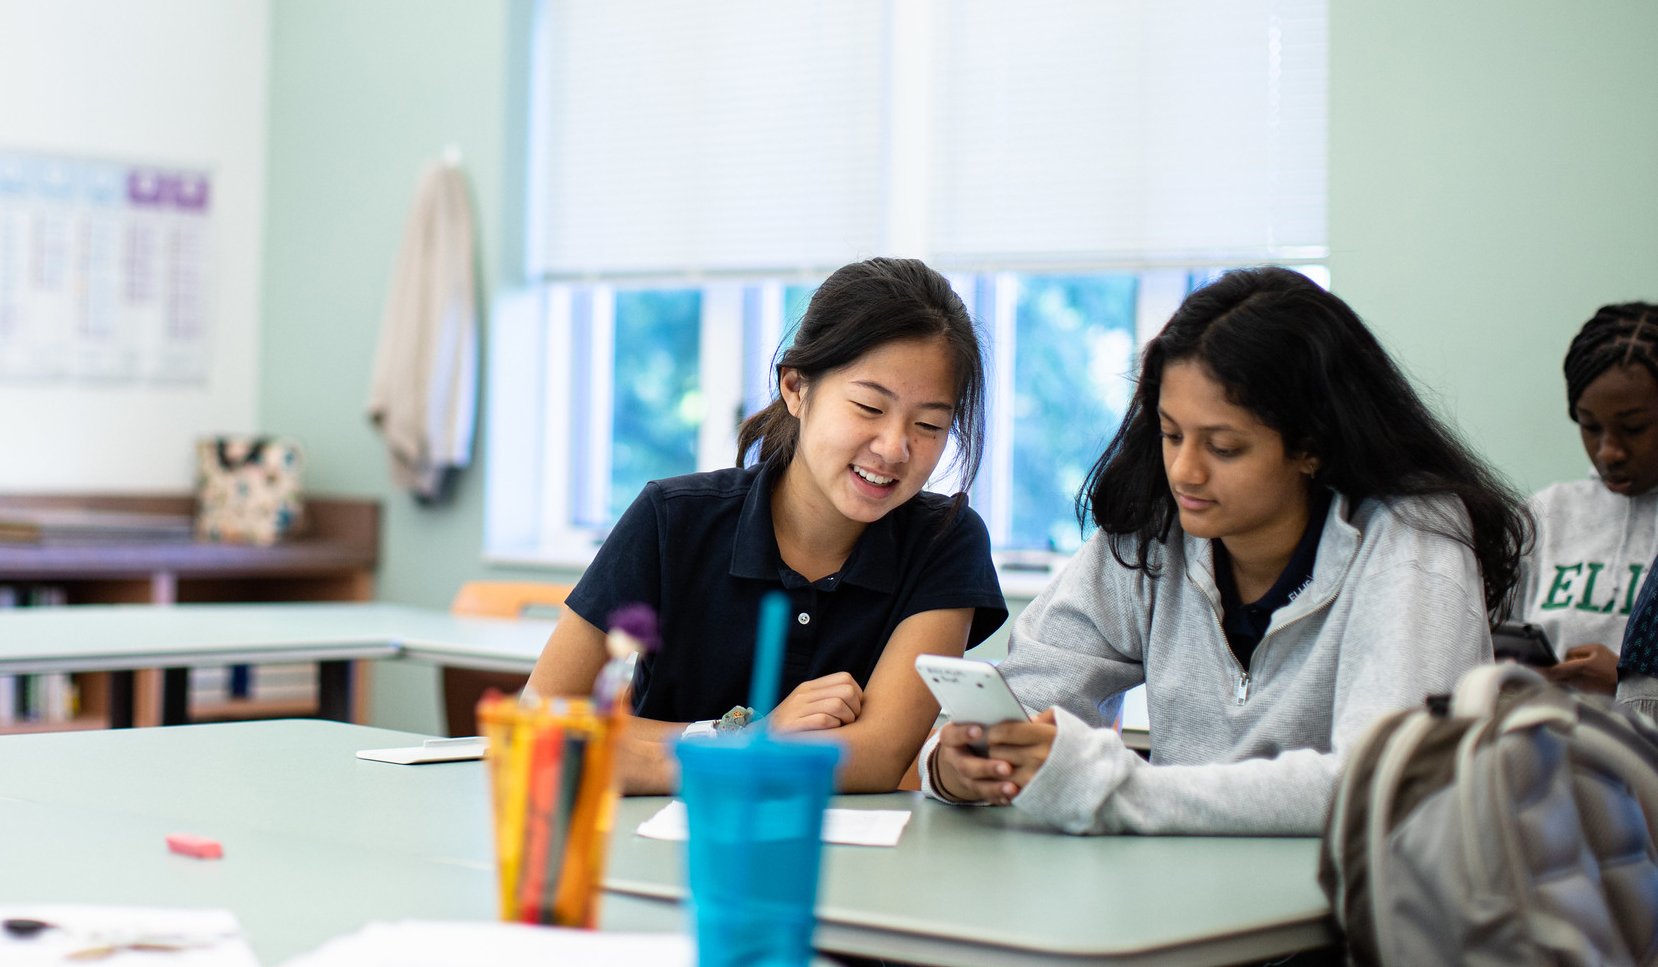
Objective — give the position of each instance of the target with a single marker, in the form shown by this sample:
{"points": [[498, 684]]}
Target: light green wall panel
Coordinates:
{"points": [[363, 95], [1491, 184]]}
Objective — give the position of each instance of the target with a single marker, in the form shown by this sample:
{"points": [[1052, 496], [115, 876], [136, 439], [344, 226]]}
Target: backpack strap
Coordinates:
{"points": [[1342, 861], [1400, 749], [1477, 692]]}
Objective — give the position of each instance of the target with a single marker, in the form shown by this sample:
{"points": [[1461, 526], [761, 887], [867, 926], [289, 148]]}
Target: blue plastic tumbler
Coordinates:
{"points": [[755, 805]]}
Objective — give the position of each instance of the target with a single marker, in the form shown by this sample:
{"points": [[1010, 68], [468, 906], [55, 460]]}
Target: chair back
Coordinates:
{"points": [[507, 599], [463, 687]]}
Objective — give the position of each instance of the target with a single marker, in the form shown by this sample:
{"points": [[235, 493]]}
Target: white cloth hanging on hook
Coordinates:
{"points": [[423, 399]]}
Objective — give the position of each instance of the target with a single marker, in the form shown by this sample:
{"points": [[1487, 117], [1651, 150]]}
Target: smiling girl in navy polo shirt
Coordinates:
{"points": [[885, 369]]}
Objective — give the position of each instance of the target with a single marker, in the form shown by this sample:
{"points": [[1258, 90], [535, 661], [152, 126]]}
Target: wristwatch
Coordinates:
{"points": [[698, 730], [739, 718]]}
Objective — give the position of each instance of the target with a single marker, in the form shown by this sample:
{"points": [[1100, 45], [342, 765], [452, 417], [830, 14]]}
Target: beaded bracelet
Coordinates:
{"points": [[740, 717]]}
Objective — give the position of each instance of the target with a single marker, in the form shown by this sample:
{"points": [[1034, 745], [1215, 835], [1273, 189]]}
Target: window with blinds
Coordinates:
{"points": [[760, 136], [704, 137], [1170, 131], [1074, 166]]}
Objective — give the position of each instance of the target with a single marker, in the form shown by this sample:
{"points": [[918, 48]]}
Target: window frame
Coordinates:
{"points": [[916, 101], [741, 323]]}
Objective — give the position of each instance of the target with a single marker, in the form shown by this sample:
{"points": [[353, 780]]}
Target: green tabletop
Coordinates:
{"points": [[116, 637], [988, 886], [318, 843]]}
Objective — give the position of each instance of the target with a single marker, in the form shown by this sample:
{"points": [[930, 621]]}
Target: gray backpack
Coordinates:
{"points": [[1513, 824]]}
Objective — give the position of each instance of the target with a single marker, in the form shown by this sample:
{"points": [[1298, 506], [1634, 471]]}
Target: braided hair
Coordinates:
{"points": [[1625, 334]]}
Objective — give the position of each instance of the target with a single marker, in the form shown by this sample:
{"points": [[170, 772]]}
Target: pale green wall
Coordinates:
{"points": [[1490, 183], [362, 96]]}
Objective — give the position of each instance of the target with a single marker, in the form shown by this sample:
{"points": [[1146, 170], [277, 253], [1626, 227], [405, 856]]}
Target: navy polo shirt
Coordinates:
{"points": [[700, 549], [1246, 624]]}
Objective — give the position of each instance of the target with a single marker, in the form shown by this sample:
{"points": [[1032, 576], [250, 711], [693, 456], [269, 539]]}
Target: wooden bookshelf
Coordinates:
{"points": [[333, 558]]}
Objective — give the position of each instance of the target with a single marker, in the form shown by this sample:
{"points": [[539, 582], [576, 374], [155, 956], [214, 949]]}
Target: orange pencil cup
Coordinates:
{"points": [[554, 801]]}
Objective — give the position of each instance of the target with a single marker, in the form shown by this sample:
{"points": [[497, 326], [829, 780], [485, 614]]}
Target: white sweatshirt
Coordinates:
{"points": [[1593, 549], [1394, 613]]}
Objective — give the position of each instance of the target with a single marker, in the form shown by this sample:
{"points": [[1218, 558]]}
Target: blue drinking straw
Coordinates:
{"points": [[768, 652]]}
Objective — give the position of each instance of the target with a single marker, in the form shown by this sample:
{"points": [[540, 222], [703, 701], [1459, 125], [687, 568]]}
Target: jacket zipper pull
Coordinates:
{"points": [[1243, 688]]}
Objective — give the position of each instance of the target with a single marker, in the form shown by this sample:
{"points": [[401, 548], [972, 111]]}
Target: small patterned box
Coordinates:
{"points": [[248, 489]]}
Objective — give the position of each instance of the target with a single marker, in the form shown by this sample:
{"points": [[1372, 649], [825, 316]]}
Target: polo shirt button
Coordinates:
{"points": [[803, 618]]}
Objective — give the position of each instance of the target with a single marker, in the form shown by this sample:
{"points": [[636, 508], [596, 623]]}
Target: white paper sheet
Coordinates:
{"points": [[433, 750], [416, 943], [848, 827], [208, 938]]}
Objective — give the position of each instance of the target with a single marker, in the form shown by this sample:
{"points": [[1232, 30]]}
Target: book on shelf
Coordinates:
{"points": [[9, 598], [57, 697], [286, 683], [19, 532], [50, 698], [73, 526], [46, 698]]}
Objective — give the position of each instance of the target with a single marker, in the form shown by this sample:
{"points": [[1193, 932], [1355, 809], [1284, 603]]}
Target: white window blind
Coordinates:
{"points": [[759, 136], [690, 136], [1124, 131]]}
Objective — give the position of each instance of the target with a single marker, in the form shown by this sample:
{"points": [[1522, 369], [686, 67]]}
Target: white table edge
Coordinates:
{"points": [[894, 942]]}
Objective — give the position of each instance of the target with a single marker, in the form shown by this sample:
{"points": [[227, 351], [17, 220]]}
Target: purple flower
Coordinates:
{"points": [[637, 621]]}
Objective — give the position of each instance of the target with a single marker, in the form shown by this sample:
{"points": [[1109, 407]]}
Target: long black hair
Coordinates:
{"points": [[862, 307], [1625, 334], [1301, 360]]}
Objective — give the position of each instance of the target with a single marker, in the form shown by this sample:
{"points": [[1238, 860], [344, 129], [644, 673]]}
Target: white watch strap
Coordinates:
{"points": [[699, 729]]}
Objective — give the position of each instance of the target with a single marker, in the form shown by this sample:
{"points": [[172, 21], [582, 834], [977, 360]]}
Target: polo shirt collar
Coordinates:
{"points": [[872, 564], [755, 552], [1335, 546], [1297, 575]]}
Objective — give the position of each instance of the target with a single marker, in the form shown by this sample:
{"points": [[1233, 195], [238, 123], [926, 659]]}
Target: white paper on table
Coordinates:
{"points": [[214, 937], [426, 943], [432, 750], [848, 827]]}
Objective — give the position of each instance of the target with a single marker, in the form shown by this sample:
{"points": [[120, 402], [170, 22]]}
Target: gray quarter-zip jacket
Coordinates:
{"points": [[1394, 613]]}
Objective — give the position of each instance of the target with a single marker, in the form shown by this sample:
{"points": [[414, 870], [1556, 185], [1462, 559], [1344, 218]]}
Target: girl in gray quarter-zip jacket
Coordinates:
{"points": [[1269, 631]]}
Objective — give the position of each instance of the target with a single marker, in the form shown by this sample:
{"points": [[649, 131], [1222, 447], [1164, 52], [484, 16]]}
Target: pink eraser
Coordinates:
{"points": [[198, 846]]}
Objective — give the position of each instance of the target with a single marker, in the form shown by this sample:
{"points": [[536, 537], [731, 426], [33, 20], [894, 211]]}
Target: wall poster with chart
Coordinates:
{"points": [[105, 270]]}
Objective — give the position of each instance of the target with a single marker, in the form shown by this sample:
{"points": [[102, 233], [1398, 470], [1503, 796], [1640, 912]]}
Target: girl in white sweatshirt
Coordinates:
{"points": [[1597, 536], [1290, 544]]}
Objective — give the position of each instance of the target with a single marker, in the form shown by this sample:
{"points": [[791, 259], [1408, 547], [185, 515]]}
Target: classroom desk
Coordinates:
{"points": [[124, 638], [318, 842], [984, 887]]}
